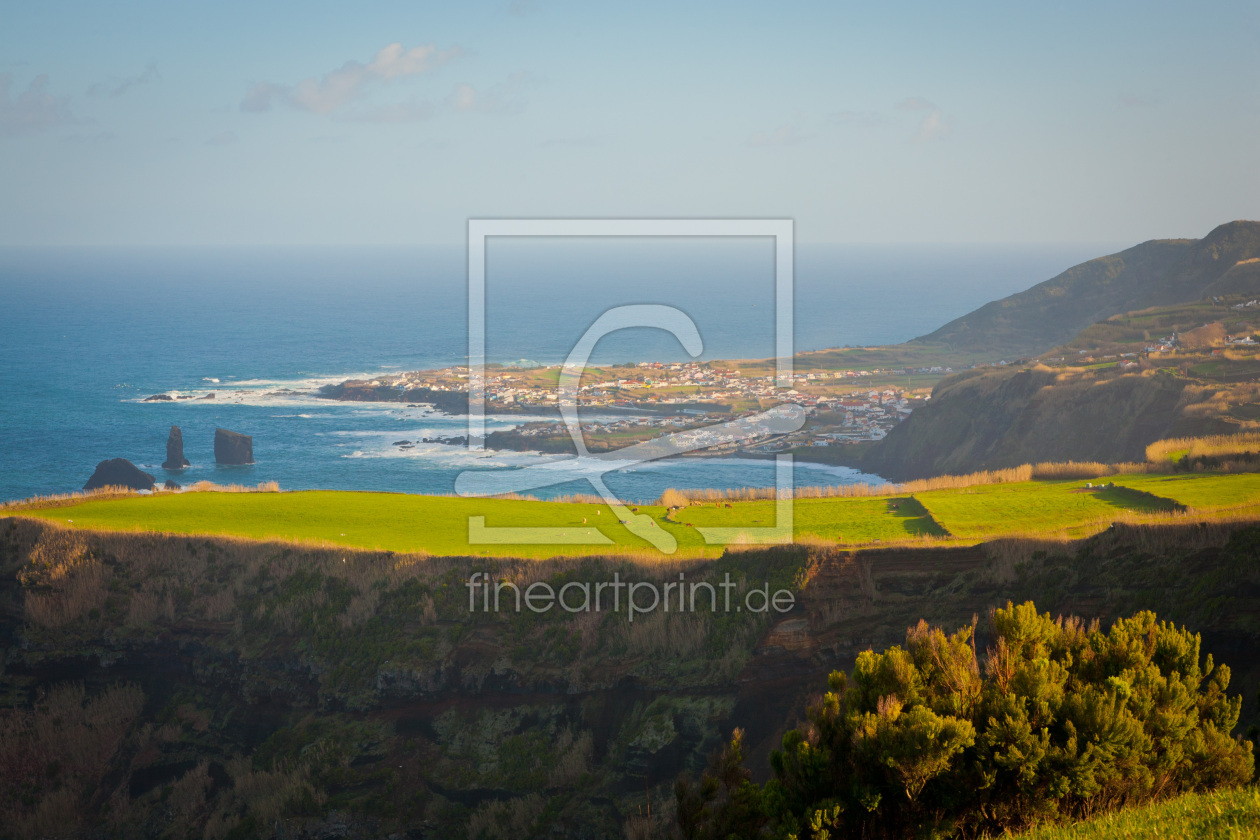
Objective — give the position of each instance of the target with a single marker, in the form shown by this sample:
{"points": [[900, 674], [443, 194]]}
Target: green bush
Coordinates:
{"points": [[1058, 720]]}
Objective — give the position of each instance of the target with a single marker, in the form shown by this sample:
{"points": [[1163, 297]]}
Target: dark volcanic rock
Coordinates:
{"points": [[170, 485], [208, 396], [160, 398], [119, 472], [233, 447], [175, 459]]}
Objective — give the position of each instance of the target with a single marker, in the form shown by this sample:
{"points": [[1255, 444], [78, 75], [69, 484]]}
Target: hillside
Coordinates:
{"points": [[995, 418], [1121, 384], [166, 686], [1155, 273]]}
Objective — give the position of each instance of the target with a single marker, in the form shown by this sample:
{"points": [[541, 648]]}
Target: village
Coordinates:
{"points": [[626, 404]]}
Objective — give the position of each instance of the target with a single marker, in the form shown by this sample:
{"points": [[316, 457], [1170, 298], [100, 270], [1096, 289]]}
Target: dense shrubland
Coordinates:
{"points": [[1057, 720]]}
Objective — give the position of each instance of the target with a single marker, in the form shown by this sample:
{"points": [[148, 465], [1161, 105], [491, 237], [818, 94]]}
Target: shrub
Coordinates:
{"points": [[674, 498], [1059, 720]]}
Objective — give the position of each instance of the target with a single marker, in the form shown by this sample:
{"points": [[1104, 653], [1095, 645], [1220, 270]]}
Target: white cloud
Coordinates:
{"points": [[223, 138], [348, 82], [34, 110], [933, 126], [115, 88]]}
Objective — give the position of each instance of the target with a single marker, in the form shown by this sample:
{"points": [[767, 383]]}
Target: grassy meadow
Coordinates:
{"points": [[377, 521], [1215, 815], [439, 525], [1197, 490]]}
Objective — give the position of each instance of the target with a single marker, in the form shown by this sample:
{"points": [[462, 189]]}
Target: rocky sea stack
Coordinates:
{"points": [[119, 472], [175, 459], [233, 448]]}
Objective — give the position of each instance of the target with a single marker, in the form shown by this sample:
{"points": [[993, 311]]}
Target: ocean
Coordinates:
{"points": [[86, 334]]}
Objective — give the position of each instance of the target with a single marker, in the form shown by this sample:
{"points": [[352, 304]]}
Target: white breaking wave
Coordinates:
{"points": [[453, 456]]}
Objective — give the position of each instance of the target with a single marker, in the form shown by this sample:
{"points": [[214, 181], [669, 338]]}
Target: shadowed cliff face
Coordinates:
{"points": [[1004, 417], [231, 688]]}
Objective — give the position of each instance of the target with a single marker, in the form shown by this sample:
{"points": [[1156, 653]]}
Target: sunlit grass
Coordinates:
{"points": [[1067, 507], [439, 525], [385, 521], [1197, 490], [1217, 815]]}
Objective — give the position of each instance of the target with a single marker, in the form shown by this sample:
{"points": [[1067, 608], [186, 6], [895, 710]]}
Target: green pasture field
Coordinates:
{"points": [[992, 510], [384, 521], [1200, 491], [847, 521], [440, 524], [1215, 815]]}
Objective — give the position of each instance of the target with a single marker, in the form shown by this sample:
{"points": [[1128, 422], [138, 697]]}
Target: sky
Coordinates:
{"points": [[232, 123]]}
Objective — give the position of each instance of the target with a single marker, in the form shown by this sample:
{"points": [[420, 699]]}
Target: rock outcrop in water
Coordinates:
{"points": [[119, 472], [175, 459], [233, 448]]}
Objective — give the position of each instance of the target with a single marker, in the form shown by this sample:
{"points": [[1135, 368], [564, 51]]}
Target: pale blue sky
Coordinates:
{"points": [[295, 123]]}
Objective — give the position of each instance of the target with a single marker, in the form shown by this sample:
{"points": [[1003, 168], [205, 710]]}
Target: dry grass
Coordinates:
{"points": [[62, 581], [61, 499], [62, 747], [1072, 470], [668, 634], [211, 487], [674, 498], [506, 819], [573, 758], [1214, 445], [1152, 533]]}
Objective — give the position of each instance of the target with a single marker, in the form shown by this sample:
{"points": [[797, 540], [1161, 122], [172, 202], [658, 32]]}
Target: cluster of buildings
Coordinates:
{"points": [[831, 421], [690, 396], [1167, 344]]}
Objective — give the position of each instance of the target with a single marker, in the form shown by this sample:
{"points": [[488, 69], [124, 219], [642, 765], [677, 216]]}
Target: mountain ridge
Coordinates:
{"points": [[1154, 273]]}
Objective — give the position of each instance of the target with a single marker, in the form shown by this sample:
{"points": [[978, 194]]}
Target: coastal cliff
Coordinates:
{"points": [[1004, 417]]}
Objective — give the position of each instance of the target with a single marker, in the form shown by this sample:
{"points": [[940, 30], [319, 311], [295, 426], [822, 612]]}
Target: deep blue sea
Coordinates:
{"points": [[85, 335]]}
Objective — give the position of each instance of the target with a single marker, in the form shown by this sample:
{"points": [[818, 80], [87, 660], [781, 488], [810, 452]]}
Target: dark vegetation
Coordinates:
{"points": [[169, 687], [1057, 720]]}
